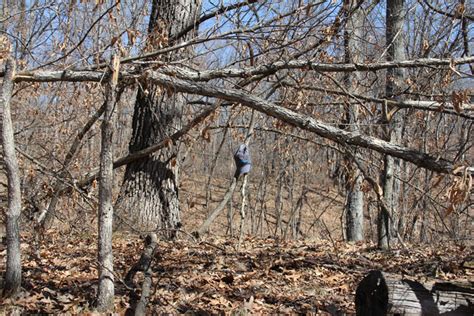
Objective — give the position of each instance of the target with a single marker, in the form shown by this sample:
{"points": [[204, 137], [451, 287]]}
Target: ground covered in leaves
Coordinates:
{"points": [[213, 276]]}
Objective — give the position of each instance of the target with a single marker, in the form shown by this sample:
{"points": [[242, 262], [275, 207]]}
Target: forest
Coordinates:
{"points": [[237, 157]]}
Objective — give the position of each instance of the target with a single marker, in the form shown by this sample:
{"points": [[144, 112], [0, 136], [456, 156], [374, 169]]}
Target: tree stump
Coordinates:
{"points": [[381, 294]]}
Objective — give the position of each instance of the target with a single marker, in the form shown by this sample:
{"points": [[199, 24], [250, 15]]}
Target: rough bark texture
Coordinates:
{"points": [[13, 266], [395, 16], [305, 122], [105, 296], [382, 294], [353, 51], [149, 196], [263, 70]]}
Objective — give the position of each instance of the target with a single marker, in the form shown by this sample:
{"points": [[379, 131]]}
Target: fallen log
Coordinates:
{"points": [[380, 293], [138, 304]]}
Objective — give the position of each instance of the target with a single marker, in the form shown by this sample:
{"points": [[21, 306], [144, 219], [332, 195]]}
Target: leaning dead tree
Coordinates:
{"points": [[307, 123]]}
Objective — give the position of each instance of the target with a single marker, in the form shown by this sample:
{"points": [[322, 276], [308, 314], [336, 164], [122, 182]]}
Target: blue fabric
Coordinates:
{"points": [[242, 160]]}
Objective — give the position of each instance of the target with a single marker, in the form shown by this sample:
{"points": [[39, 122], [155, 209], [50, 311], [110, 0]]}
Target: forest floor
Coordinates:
{"points": [[212, 276]]}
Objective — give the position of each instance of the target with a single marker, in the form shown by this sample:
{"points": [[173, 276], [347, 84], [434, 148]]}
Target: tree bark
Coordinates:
{"points": [[353, 50], [306, 122], [382, 294], [105, 296], [149, 195], [13, 266], [395, 16], [246, 72]]}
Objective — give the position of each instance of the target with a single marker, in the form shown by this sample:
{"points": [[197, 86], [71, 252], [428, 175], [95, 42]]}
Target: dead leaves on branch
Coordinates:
{"points": [[460, 188], [458, 98], [5, 47], [205, 134]]}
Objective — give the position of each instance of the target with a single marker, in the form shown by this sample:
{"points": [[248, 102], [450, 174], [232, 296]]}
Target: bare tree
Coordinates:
{"points": [[395, 16], [243, 51], [13, 266], [149, 196], [105, 294], [353, 35]]}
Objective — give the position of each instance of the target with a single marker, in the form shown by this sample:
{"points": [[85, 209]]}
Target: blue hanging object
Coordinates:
{"points": [[242, 160]]}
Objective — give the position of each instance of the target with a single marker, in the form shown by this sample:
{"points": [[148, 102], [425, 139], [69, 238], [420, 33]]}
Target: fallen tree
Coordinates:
{"points": [[380, 293], [144, 264]]}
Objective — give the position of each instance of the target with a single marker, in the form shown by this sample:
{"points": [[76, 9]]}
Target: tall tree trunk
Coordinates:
{"points": [[395, 16], [353, 51], [105, 295], [149, 195], [13, 267]]}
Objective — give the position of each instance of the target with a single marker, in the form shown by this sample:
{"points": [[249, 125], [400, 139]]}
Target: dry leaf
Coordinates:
{"points": [[206, 135], [458, 98], [173, 162], [168, 142], [131, 34], [459, 190]]}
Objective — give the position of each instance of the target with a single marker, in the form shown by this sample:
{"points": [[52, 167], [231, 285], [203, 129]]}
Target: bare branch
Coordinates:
{"points": [[305, 122], [434, 106], [149, 150], [272, 68], [267, 69], [453, 16]]}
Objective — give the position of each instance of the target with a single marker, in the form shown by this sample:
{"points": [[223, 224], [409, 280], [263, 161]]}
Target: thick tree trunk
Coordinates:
{"points": [[383, 294], [149, 196], [353, 51], [105, 296], [13, 266], [395, 16]]}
